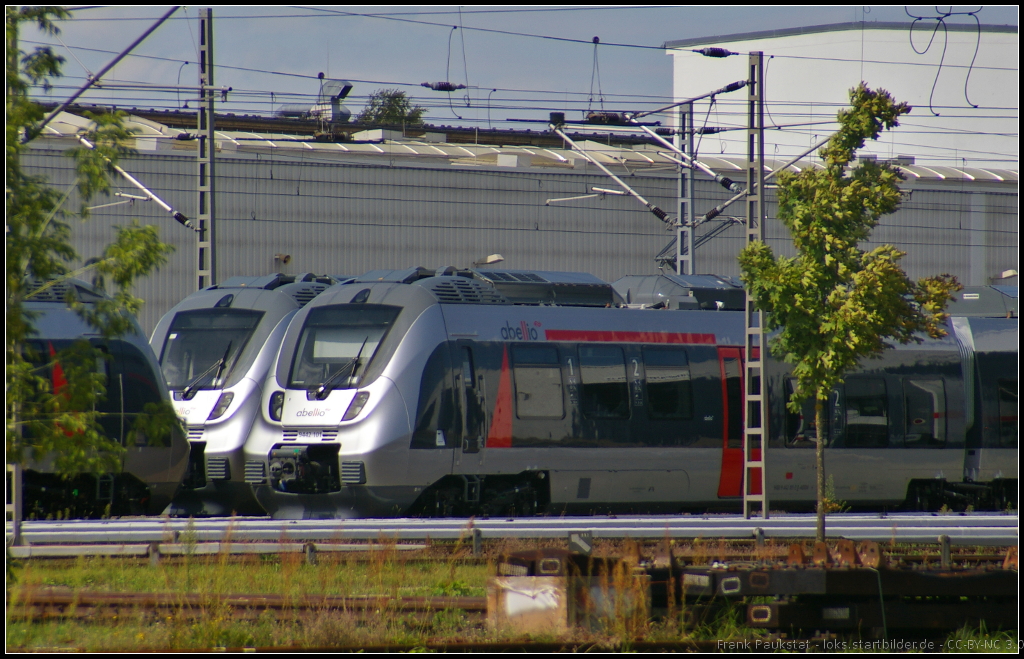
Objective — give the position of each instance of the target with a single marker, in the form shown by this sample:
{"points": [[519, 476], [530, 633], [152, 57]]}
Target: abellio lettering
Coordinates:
{"points": [[313, 412], [522, 332]]}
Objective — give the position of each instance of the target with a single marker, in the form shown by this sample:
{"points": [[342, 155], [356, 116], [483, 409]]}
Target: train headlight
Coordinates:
{"points": [[357, 406], [221, 407], [276, 405]]}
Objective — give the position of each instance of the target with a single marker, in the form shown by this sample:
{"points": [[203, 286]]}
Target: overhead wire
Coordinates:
{"points": [[941, 22], [522, 104]]}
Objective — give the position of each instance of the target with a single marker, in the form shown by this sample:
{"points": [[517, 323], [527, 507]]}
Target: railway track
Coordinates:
{"points": [[39, 604], [978, 529]]}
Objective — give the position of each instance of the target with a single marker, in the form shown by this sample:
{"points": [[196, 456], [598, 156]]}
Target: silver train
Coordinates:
{"points": [[514, 393], [155, 460], [215, 348]]}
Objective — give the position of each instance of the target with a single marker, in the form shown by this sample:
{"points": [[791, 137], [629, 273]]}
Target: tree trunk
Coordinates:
{"points": [[822, 437]]}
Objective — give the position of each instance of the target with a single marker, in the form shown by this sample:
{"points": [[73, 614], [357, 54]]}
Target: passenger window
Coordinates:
{"points": [[605, 393], [538, 379], [867, 417], [925, 404], [800, 430], [668, 383], [1007, 413]]}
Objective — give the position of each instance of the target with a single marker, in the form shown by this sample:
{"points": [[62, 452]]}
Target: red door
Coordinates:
{"points": [[730, 480]]}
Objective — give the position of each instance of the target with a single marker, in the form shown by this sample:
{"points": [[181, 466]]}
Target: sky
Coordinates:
{"points": [[517, 63]]}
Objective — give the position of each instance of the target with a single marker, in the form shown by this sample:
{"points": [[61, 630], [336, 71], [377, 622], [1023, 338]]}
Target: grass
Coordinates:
{"points": [[386, 573]]}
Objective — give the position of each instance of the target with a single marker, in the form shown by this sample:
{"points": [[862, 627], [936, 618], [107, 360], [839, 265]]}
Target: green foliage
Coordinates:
{"points": [[390, 107], [834, 303], [42, 419]]}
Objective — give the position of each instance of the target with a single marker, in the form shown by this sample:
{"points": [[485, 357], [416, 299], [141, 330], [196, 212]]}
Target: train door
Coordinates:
{"points": [[730, 482], [472, 394]]}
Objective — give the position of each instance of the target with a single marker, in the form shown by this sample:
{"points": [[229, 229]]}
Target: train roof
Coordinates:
{"points": [[53, 319], [672, 291], [451, 285]]}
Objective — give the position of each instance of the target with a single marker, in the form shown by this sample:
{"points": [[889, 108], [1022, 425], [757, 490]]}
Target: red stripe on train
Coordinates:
{"points": [[628, 337]]}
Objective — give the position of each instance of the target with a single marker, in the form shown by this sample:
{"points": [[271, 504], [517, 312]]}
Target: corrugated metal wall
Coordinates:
{"points": [[347, 218]]}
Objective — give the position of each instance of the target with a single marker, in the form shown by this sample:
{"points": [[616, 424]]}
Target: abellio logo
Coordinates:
{"points": [[522, 332], [312, 412]]}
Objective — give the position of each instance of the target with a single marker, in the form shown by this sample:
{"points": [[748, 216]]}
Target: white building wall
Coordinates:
{"points": [[802, 90]]}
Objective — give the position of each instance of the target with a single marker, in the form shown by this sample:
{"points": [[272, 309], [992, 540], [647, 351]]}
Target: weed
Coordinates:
{"points": [[979, 639], [832, 502]]}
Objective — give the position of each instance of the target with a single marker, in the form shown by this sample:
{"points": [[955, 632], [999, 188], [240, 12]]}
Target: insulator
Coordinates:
{"points": [[714, 52], [180, 217], [658, 213], [443, 86], [728, 183]]}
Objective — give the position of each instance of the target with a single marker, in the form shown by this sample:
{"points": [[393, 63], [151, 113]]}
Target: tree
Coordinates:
{"points": [[390, 107], [833, 304], [40, 421]]}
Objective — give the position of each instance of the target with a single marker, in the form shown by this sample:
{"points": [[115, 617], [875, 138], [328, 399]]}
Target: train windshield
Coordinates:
{"points": [[338, 343], [203, 346]]}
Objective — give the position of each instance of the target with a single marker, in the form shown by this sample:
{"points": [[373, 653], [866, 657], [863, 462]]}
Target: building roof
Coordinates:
{"points": [[833, 27], [433, 150]]}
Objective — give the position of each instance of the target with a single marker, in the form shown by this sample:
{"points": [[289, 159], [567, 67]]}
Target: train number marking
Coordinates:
{"points": [[311, 434], [709, 417]]}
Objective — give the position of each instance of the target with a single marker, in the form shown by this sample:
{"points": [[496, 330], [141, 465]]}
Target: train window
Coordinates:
{"points": [[140, 395], [605, 393], [734, 400], [436, 403], [538, 378], [668, 383], [338, 342], [203, 345], [800, 426], [1007, 413], [924, 402], [867, 416], [468, 379]]}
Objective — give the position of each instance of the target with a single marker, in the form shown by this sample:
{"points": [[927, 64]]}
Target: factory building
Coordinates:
{"points": [[960, 78], [290, 203]]}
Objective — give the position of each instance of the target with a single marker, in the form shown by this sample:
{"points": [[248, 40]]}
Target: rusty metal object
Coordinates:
{"points": [[1010, 562], [866, 614], [796, 555], [845, 554], [822, 555], [870, 554]]}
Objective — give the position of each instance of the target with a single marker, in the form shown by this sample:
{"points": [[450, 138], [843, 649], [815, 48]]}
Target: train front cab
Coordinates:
{"points": [[156, 452], [215, 349], [333, 434], [991, 464]]}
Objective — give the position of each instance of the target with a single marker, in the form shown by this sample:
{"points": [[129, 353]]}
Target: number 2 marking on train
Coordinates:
{"points": [[636, 369]]}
